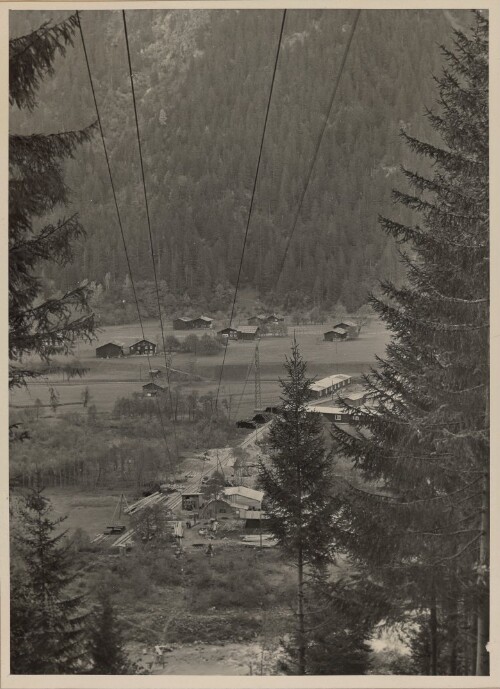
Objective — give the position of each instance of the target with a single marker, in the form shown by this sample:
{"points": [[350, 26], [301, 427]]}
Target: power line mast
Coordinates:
{"points": [[258, 392]]}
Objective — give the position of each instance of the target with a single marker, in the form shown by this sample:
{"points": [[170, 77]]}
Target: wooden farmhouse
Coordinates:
{"points": [[199, 323], [264, 319], [335, 334], [351, 328], [248, 332], [257, 320], [153, 389], [143, 347], [242, 332], [229, 333], [110, 350], [202, 322], [274, 318], [327, 387]]}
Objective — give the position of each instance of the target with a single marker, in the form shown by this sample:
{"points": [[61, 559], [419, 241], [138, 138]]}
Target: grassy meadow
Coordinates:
{"points": [[109, 379]]}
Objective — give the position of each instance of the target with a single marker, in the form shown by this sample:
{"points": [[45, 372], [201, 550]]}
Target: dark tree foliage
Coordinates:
{"points": [[296, 480], [202, 86], [48, 623], [36, 190], [214, 486], [106, 647], [426, 441], [339, 624]]}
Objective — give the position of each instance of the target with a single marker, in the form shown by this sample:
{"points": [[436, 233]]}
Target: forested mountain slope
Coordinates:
{"points": [[202, 79]]}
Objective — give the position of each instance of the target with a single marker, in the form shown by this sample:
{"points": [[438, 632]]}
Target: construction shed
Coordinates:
{"points": [[335, 334], [217, 509], [334, 413], [327, 387], [241, 496], [110, 350], [143, 347], [153, 389], [192, 501]]}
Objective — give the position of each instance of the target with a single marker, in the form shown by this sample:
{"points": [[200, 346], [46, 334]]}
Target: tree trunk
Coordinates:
{"points": [[301, 631], [482, 661], [433, 634]]}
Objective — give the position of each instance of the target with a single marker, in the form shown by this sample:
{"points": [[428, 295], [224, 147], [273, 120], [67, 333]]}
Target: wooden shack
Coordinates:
{"points": [[248, 332], [110, 350], [192, 501], [143, 347], [335, 334], [153, 389]]}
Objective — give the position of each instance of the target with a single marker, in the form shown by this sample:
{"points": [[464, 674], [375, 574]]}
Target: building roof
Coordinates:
{"points": [[210, 502], [245, 492], [116, 344], [184, 318], [337, 329], [351, 324], [251, 329], [154, 385], [359, 395], [141, 341], [203, 318], [329, 382], [231, 328]]}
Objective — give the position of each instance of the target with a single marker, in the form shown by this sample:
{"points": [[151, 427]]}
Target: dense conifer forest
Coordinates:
{"points": [[202, 84]]}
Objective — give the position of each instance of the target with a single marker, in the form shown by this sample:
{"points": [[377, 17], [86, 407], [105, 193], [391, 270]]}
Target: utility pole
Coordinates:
{"points": [[258, 392]]}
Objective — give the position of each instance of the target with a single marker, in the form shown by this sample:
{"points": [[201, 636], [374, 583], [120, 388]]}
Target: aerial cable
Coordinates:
{"points": [[318, 145], [146, 202], [120, 224], [252, 201]]}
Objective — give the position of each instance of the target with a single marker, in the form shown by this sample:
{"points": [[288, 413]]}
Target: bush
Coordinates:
{"points": [[190, 344], [208, 345]]}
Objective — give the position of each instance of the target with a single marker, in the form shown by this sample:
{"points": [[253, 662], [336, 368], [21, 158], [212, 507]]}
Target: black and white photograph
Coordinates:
{"points": [[248, 343]]}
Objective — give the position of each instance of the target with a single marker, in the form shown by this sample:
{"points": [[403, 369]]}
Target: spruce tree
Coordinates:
{"points": [[426, 439], [296, 479], [48, 622], [106, 643], [36, 189]]}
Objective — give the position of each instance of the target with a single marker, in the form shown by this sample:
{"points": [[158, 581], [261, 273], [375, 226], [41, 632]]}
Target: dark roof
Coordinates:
{"points": [[337, 329], [153, 386], [115, 344], [349, 324], [141, 341], [251, 329]]}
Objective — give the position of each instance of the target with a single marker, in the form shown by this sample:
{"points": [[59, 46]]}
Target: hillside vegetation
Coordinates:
{"points": [[202, 80]]}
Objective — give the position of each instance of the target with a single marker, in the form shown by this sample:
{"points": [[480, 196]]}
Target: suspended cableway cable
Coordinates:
{"points": [[251, 201], [151, 246], [120, 224], [319, 142]]}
